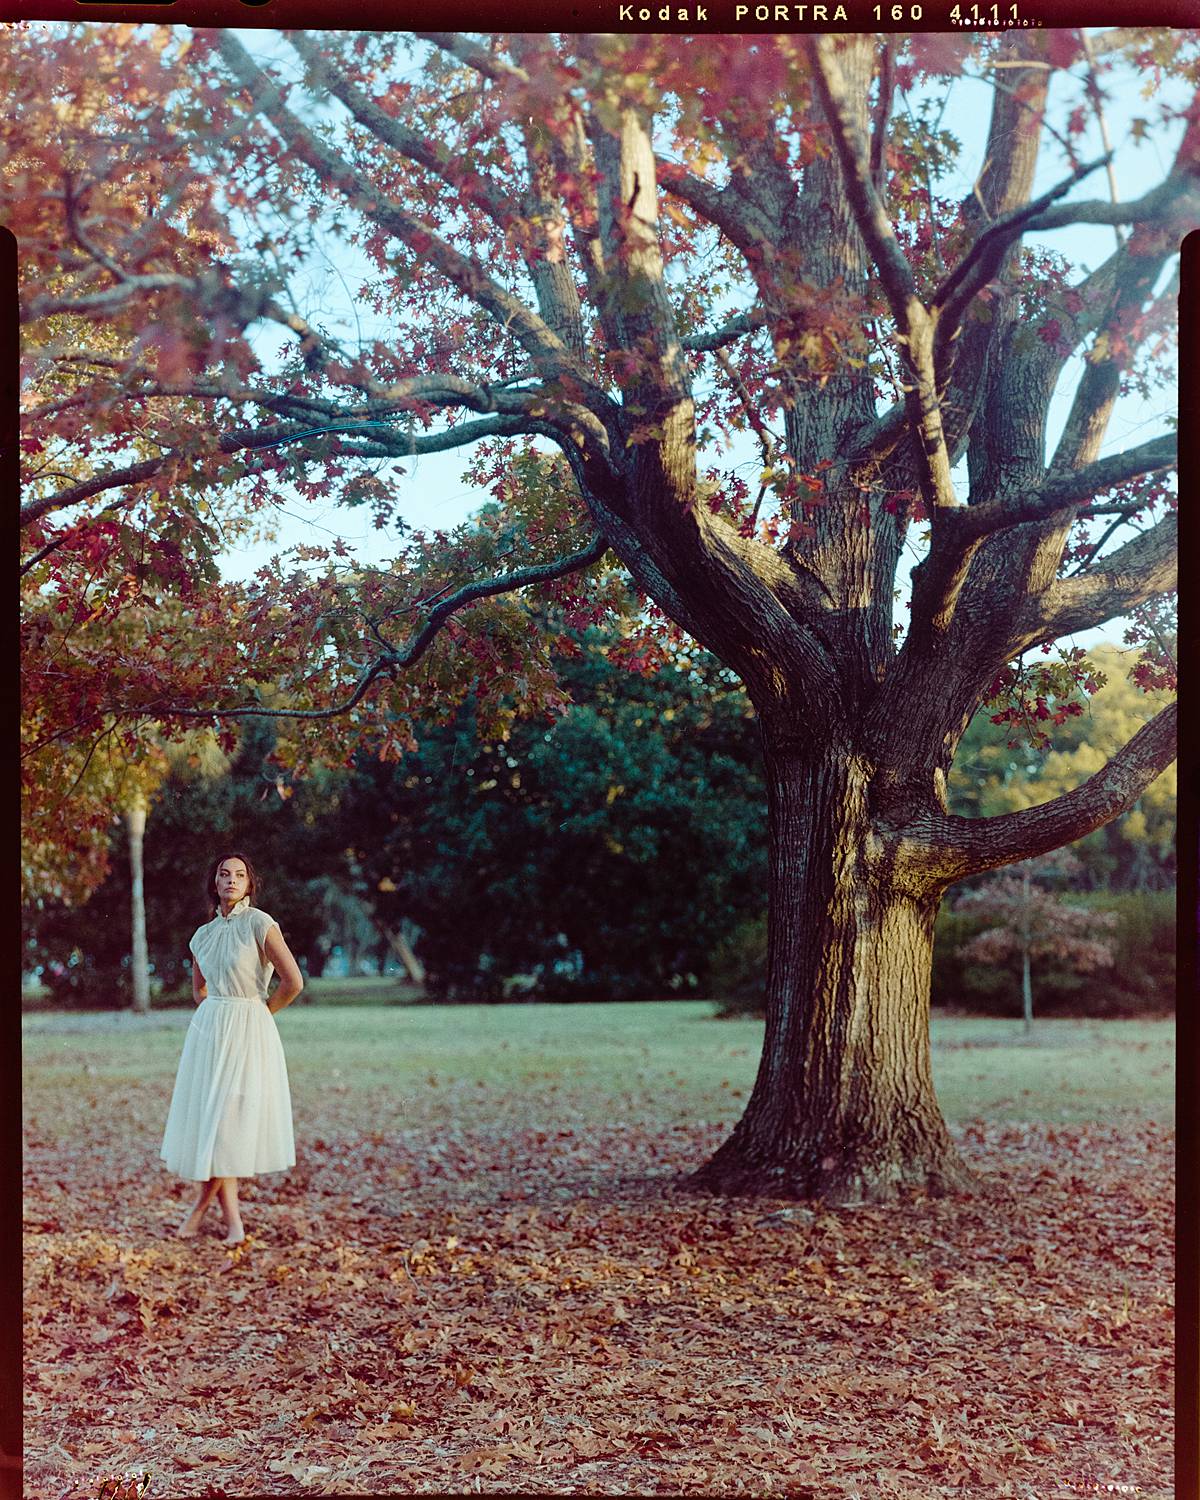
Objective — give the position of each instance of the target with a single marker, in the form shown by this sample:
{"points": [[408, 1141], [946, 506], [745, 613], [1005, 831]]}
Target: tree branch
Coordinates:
{"points": [[985, 257], [111, 299], [1173, 193], [1098, 388], [725, 208], [548, 351], [737, 327], [883, 109], [967, 846], [766, 441], [1064, 490], [939, 579], [1004, 184], [636, 309], [486, 64], [878, 438], [914, 325], [1146, 565], [395, 659], [423, 149], [403, 446], [869, 214]]}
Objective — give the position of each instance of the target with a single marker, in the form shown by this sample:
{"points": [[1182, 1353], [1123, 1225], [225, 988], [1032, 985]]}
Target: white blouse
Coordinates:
{"points": [[229, 951]]}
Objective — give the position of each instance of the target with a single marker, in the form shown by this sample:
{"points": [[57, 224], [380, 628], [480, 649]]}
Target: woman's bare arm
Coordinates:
{"points": [[199, 984], [291, 981]]}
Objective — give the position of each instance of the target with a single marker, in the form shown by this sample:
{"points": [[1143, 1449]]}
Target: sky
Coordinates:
{"points": [[432, 491]]}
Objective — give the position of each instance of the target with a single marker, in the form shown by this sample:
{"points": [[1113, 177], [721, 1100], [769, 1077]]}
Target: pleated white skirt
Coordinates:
{"points": [[231, 1108]]}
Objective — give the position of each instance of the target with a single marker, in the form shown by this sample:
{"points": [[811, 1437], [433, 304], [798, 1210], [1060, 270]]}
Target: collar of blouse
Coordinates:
{"points": [[242, 905]]}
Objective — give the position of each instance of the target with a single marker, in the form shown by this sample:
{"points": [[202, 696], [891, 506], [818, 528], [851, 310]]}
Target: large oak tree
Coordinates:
{"points": [[592, 259]]}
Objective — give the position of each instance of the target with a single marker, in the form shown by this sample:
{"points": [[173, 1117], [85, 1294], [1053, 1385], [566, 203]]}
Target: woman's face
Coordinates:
{"points": [[233, 881]]}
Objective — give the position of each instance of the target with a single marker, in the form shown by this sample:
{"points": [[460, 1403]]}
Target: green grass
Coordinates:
{"points": [[587, 1063], [356, 989]]}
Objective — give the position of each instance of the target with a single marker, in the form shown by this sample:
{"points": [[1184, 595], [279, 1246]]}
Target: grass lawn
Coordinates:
{"points": [[661, 1061], [486, 1273]]}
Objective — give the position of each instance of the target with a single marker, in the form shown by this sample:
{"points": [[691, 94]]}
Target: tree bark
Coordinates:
{"points": [[135, 822], [843, 1107]]}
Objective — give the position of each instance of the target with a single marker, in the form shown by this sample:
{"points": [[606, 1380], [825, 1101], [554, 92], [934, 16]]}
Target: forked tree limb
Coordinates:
{"points": [[540, 342], [408, 655], [938, 580], [952, 848], [984, 260], [1146, 566], [915, 328], [1060, 491]]}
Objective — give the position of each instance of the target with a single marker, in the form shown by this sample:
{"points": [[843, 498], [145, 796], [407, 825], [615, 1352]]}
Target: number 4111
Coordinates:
{"points": [[974, 13]]}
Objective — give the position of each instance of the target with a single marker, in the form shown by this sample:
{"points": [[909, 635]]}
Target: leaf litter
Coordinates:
{"points": [[461, 1308]]}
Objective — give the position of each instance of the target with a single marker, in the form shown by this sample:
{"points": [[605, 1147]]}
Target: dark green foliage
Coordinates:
{"points": [[739, 969], [601, 855], [618, 852], [84, 951]]}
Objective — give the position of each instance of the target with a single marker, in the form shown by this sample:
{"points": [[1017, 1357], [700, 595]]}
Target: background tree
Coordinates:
{"points": [[992, 775], [92, 942], [135, 823], [1033, 921], [603, 856], [618, 249]]}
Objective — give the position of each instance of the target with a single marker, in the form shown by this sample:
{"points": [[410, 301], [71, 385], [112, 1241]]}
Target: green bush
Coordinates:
{"points": [[1141, 981], [738, 969]]}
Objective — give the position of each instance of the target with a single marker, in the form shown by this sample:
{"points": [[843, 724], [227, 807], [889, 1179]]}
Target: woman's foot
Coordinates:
{"points": [[190, 1227], [236, 1233]]}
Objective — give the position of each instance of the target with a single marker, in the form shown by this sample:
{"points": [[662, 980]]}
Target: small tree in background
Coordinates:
{"points": [[1037, 922]]}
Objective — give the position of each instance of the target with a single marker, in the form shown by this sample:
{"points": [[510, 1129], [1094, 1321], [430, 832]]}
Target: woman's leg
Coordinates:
{"points": [[191, 1225], [227, 1190]]}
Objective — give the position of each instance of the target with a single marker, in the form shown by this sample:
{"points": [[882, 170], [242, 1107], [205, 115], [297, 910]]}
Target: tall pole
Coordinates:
{"points": [[1027, 940], [135, 821]]}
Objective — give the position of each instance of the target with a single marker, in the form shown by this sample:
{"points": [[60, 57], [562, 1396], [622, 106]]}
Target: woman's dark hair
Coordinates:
{"points": [[210, 884]]}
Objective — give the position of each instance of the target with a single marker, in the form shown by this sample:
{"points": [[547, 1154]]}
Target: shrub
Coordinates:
{"points": [[738, 969]]}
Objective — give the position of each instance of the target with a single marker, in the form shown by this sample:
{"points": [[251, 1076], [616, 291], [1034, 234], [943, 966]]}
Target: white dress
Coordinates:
{"points": [[231, 1109]]}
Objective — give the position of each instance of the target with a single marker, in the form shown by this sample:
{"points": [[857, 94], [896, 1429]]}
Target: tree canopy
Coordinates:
{"points": [[590, 260], [528, 298]]}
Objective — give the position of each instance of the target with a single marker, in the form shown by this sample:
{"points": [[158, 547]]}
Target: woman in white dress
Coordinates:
{"points": [[231, 1109]]}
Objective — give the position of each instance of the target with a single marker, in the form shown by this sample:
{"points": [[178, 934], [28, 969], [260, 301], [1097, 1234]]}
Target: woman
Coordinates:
{"points": [[231, 1110]]}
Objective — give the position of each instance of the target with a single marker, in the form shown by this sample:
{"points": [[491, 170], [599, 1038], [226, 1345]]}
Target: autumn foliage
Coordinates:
{"points": [[173, 391], [1030, 921], [481, 1287], [725, 346]]}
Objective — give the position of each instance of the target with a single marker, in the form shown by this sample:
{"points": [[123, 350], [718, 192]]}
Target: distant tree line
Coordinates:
{"points": [[597, 855], [616, 852]]}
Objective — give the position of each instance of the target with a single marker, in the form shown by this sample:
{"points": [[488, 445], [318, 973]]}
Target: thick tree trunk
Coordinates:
{"points": [[843, 1107]]}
